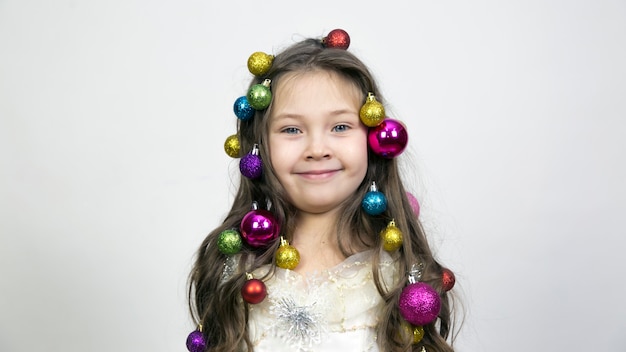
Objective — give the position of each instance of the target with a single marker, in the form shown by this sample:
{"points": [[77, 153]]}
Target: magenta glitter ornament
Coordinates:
{"points": [[259, 228], [419, 304], [251, 164], [195, 342], [388, 139], [415, 205]]}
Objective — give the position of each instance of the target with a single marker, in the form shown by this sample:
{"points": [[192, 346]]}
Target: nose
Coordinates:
{"points": [[318, 148]]}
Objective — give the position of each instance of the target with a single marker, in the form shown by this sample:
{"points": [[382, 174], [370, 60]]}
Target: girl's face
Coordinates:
{"points": [[317, 143]]}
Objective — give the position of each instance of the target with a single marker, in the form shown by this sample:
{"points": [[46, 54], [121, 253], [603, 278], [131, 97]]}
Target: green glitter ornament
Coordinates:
{"points": [[259, 96], [229, 242]]}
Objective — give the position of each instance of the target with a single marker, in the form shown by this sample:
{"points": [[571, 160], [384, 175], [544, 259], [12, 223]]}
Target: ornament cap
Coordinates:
{"points": [[415, 273]]}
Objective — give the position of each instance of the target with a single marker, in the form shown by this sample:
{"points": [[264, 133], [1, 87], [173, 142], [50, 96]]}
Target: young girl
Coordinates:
{"points": [[322, 249]]}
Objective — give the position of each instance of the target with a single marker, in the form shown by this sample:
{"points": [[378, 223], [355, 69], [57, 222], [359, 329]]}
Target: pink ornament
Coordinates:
{"points": [[388, 139], [259, 228], [415, 205], [419, 304]]}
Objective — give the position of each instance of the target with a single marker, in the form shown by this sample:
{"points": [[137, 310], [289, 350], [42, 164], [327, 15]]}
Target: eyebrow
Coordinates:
{"points": [[298, 116]]}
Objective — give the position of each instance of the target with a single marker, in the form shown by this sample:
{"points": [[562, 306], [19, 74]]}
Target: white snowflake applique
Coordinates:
{"points": [[300, 326]]}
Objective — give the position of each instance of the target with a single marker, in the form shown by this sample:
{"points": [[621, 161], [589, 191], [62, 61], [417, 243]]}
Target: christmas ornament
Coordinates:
{"points": [[229, 242], [372, 112], [195, 341], [419, 303], [415, 332], [253, 290], [259, 63], [447, 279], [337, 38], [242, 108], [418, 334], [388, 139], [415, 205], [287, 256], [374, 202], [251, 164], [259, 95], [231, 146], [391, 236], [259, 227]]}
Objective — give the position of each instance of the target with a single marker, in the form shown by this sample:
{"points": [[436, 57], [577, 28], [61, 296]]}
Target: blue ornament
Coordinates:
{"points": [[374, 202], [243, 109]]}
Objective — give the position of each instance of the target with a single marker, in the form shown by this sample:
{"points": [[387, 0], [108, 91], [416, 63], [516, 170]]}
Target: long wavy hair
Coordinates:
{"points": [[216, 303]]}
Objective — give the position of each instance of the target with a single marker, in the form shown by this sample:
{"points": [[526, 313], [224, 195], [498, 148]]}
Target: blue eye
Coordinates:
{"points": [[341, 128], [291, 130]]}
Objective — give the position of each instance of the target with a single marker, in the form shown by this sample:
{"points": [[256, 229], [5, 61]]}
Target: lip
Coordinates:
{"points": [[318, 174]]}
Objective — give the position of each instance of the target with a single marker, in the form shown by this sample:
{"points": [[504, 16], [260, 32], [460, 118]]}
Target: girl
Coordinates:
{"points": [[333, 255]]}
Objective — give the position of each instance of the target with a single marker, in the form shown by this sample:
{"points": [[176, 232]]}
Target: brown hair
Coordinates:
{"points": [[216, 303]]}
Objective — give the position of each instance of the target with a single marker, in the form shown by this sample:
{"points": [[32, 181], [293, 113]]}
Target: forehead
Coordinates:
{"points": [[296, 88]]}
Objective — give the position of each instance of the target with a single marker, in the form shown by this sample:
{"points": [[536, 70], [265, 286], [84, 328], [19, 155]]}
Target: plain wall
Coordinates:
{"points": [[113, 116]]}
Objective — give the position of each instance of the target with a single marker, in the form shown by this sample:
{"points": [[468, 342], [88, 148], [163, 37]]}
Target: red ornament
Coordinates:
{"points": [[447, 279], [254, 291], [338, 39]]}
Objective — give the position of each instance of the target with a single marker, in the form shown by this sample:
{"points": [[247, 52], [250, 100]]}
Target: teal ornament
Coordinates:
{"points": [[374, 202], [229, 242], [259, 96], [242, 108]]}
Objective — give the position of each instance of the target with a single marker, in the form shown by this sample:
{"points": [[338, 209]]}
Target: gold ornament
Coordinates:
{"points": [[231, 146], [372, 113], [418, 334], [259, 63], [391, 236], [287, 256]]}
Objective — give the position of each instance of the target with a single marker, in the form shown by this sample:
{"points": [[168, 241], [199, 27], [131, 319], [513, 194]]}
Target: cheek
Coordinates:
{"points": [[279, 156]]}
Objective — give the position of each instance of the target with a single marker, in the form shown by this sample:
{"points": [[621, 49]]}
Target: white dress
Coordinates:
{"points": [[336, 309]]}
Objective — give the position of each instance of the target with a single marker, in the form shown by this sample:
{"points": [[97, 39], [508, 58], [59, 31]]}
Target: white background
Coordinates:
{"points": [[113, 116]]}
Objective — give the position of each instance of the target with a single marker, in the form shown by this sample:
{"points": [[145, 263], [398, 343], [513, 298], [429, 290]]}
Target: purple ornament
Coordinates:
{"points": [[251, 164], [419, 304], [242, 108], [388, 139], [259, 228], [195, 342]]}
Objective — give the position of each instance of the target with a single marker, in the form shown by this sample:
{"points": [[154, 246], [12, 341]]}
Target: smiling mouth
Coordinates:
{"points": [[317, 174]]}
